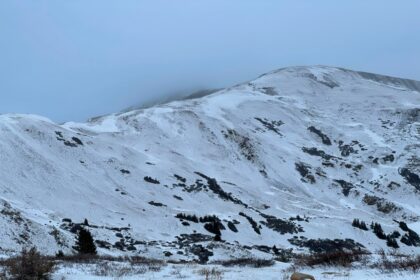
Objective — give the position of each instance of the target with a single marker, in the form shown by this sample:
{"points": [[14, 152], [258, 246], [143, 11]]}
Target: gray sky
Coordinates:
{"points": [[70, 60]]}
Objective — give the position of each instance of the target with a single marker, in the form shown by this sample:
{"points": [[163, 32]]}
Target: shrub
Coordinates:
{"points": [[283, 255], [335, 258], [401, 262], [30, 265], [211, 274], [84, 243], [118, 270], [247, 262]]}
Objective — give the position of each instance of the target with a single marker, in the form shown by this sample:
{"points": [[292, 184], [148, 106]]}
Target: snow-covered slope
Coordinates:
{"points": [[324, 143]]}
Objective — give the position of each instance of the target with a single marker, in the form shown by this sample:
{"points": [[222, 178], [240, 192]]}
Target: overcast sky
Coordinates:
{"points": [[71, 60]]}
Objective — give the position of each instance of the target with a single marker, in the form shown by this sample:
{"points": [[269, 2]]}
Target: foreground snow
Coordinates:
{"points": [[279, 271]]}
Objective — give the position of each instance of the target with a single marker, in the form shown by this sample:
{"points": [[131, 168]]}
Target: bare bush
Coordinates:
{"points": [[112, 269], [397, 262], [211, 274], [30, 265]]}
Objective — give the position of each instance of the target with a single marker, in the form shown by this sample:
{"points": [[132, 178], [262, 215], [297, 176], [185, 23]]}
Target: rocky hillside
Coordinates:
{"points": [[289, 159]]}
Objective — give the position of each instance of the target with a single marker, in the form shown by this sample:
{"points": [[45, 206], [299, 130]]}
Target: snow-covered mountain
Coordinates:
{"points": [[289, 159]]}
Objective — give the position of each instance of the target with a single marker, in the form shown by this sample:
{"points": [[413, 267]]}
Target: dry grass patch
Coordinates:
{"points": [[211, 274]]}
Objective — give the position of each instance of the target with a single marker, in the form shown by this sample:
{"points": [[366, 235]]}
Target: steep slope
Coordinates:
{"points": [[289, 159]]}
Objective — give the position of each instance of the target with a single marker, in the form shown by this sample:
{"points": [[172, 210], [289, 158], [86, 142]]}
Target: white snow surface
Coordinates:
{"points": [[250, 138], [194, 272]]}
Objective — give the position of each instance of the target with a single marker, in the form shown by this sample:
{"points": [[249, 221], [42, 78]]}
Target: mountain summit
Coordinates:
{"points": [[296, 158]]}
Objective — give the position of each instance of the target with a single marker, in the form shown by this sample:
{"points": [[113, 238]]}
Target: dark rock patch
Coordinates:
{"points": [[202, 253], [244, 143], [217, 189], [305, 173], [185, 239], [74, 142], [70, 144], [179, 178], [346, 149], [280, 225], [253, 223], [77, 141], [269, 91], [157, 204], [151, 180], [232, 226], [393, 185], [177, 197], [316, 152], [345, 186], [411, 178], [325, 139], [271, 125], [388, 158]]}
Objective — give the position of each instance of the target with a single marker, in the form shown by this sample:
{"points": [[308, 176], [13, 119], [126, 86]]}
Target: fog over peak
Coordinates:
{"points": [[71, 60]]}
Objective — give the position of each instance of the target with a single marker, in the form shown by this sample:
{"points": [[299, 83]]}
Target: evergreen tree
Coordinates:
{"points": [[356, 223], [363, 225], [84, 243], [59, 254], [359, 224], [391, 242], [377, 229], [217, 238]]}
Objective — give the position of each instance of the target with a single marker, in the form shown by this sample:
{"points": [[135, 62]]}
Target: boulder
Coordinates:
{"points": [[301, 276]]}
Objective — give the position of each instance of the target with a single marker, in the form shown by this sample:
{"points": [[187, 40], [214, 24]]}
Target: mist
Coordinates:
{"points": [[72, 60]]}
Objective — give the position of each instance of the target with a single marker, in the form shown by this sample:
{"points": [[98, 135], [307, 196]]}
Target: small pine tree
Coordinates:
{"points": [[391, 242], [359, 224], [59, 254], [86, 223], [84, 243], [403, 226], [377, 229], [356, 223]]}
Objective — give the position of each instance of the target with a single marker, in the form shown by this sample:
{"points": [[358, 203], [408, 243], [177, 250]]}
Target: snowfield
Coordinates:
{"points": [[289, 159], [279, 271]]}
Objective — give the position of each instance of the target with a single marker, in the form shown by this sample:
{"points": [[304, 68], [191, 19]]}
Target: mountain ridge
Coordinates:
{"points": [[281, 158]]}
